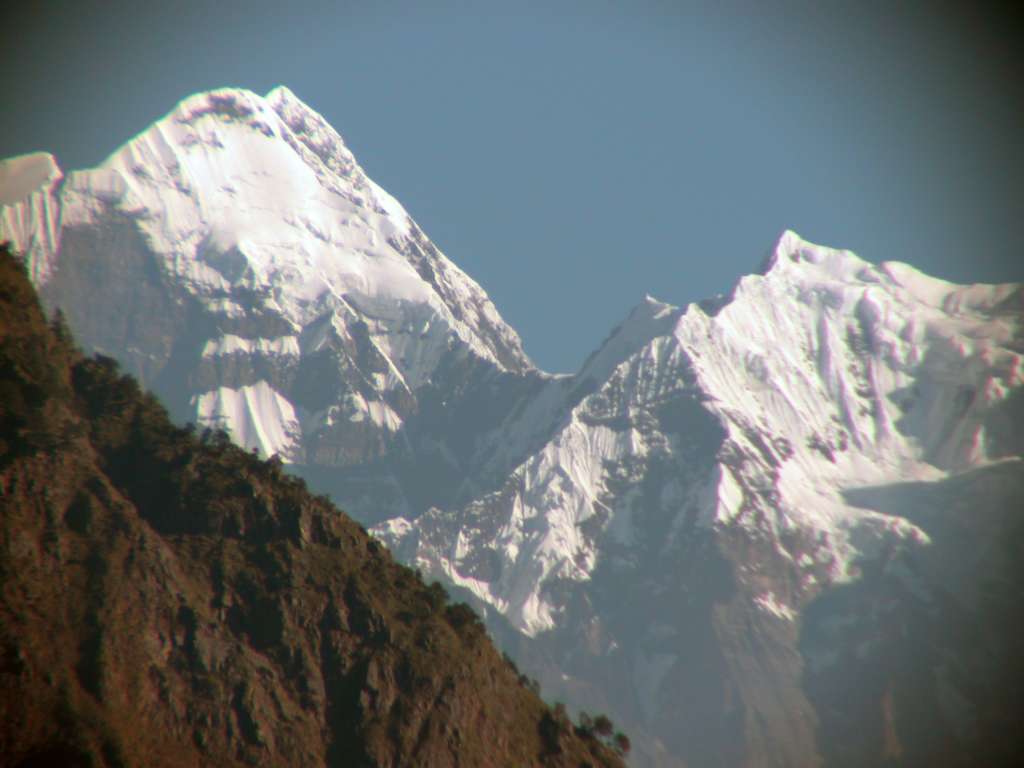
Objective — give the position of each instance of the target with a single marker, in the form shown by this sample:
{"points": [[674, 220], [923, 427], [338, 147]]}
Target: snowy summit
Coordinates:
{"points": [[255, 207]]}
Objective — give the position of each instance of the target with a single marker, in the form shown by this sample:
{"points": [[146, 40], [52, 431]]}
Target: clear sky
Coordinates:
{"points": [[574, 156]]}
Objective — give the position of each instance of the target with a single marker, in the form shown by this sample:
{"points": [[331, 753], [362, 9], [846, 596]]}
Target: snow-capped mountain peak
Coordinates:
{"points": [[234, 190], [23, 175], [821, 373], [647, 320], [253, 212]]}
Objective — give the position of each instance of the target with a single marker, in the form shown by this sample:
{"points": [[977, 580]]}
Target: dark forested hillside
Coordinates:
{"points": [[169, 599]]}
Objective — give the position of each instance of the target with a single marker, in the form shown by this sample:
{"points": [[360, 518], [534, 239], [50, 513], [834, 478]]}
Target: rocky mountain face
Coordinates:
{"points": [[780, 527], [166, 600]]}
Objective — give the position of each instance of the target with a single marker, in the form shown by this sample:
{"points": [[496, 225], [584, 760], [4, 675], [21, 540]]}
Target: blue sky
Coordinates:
{"points": [[574, 156]]}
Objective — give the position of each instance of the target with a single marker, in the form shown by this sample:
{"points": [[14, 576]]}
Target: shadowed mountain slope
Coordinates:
{"points": [[168, 600]]}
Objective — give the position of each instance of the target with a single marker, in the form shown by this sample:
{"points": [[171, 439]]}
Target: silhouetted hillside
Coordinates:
{"points": [[169, 599]]}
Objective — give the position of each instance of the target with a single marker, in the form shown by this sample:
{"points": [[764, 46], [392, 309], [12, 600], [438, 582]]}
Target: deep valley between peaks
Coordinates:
{"points": [[727, 529]]}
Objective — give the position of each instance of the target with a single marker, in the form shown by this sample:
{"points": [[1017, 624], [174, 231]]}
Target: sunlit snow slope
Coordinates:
{"points": [[286, 296]]}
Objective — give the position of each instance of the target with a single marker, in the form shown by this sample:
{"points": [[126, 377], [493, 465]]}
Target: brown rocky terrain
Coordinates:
{"points": [[169, 599]]}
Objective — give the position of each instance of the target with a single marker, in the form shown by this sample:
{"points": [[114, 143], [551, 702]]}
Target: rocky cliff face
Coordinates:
{"points": [[166, 600], [707, 530]]}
